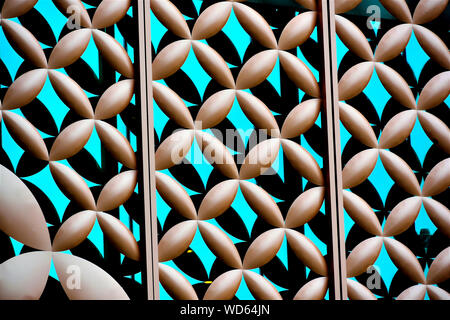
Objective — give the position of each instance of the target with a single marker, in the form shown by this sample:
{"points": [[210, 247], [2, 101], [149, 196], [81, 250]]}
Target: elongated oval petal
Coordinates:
{"points": [[116, 143], [440, 268], [260, 159], [74, 230], [69, 49], [427, 11], [397, 87], [404, 259], [170, 17], [342, 6], [172, 105], [176, 240], [433, 46], [356, 291], [398, 129], [360, 211], [399, 9], [301, 118], [313, 290], [213, 64], [260, 287], [110, 12], [402, 216], [95, 283], [435, 91], [114, 53], [173, 150], [72, 185], [15, 8], [20, 281], [436, 130], [255, 25], [24, 43], [69, 8], [256, 69], [225, 286], [71, 94], [355, 80], [400, 172], [393, 42], [212, 20], [439, 214], [175, 284], [218, 199], [24, 89], [363, 256], [305, 207], [119, 235], [220, 244], [115, 99], [262, 203], [299, 73], [302, 161], [357, 125], [20, 215], [217, 154], [436, 293], [258, 113], [118, 190], [170, 59], [438, 180], [297, 31], [307, 252], [215, 109], [308, 4], [353, 38], [71, 140], [416, 292], [175, 196], [359, 168], [25, 134], [263, 248]]}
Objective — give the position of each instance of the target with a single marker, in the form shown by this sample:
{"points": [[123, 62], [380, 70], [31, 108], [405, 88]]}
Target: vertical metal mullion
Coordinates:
{"points": [[147, 180], [332, 163]]}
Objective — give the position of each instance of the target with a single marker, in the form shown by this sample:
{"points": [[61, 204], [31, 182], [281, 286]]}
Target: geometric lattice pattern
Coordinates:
{"points": [[396, 172]]}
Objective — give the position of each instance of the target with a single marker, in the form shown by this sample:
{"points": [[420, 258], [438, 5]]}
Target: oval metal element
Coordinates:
{"points": [[225, 286], [360, 211], [301, 118], [400, 172], [170, 59], [357, 125], [436, 129], [71, 140], [435, 91], [114, 100], [215, 109], [439, 214], [438, 180], [70, 7], [114, 53], [24, 89], [307, 252], [69, 49], [256, 69], [264, 248], [175, 196], [260, 287], [435, 48], [218, 199], [119, 235], [299, 73], [20, 214], [305, 207], [211, 20], [302, 161], [436, 293], [258, 113], [440, 268], [404, 259], [20, 281], [176, 240], [359, 168], [427, 11], [262, 203], [355, 80], [416, 292], [402, 216], [220, 244], [95, 284], [313, 290], [399, 9], [260, 159], [15, 8], [357, 291], [72, 185], [297, 31], [170, 17], [363, 256], [353, 38], [74, 230], [116, 143], [173, 150], [175, 284], [118, 190], [25, 135], [342, 6], [213, 64], [393, 42], [398, 129], [110, 12]]}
